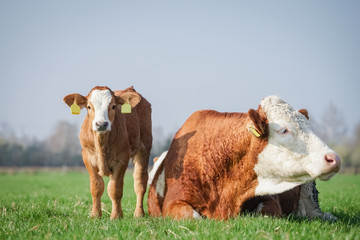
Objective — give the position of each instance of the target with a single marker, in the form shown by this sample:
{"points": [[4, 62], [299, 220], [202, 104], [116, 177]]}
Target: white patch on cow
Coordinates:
{"points": [[307, 207], [160, 184], [156, 167], [101, 100], [196, 215], [259, 208], [294, 154], [306, 202]]}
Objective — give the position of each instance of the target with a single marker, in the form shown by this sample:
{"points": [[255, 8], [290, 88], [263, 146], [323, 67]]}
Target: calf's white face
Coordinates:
{"points": [[294, 154], [100, 101], [102, 105]]}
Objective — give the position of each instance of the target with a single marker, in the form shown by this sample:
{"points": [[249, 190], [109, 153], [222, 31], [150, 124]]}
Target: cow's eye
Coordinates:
{"points": [[283, 131], [113, 107], [89, 107]]}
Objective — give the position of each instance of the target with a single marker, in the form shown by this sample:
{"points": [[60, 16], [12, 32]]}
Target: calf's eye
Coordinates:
{"points": [[89, 107], [113, 107]]}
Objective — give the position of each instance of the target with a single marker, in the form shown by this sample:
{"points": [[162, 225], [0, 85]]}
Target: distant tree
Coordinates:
{"points": [[355, 153], [161, 143], [64, 145], [331, 128]]}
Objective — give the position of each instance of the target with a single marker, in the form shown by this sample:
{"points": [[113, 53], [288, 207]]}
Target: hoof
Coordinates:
{"points": [[139, 213]]}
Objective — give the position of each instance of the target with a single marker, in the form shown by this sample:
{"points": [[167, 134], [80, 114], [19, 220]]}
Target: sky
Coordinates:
{"points": [[182, 56]]}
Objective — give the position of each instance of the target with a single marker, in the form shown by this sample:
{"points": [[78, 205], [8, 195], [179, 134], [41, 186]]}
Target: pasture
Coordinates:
{"points": [[56, 205]]}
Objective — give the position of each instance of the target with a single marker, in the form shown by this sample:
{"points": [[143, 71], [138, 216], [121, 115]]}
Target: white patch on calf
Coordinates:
{"points": [[101, 100], [92, 159], [293, 155]]}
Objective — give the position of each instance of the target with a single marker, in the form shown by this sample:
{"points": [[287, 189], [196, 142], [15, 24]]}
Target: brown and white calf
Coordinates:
{"points": [[109, 138], [217, 161]]}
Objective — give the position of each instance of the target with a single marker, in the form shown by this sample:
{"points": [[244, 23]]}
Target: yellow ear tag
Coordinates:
{"points": [[75, 109], [254, 131], [126, 108]]}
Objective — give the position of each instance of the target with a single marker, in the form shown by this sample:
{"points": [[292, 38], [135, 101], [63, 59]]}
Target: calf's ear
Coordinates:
{"points": [[304, 112], [131, 98], [71, 98], [119, 100], [259, 123]]}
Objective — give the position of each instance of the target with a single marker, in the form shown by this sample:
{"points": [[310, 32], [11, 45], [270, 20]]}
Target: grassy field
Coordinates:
{"points": [[56, 205]]}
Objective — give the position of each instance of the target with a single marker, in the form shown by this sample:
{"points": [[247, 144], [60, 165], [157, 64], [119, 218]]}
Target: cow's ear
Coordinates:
{"points": [[75, 97], [305, 113], [131, 98], [259, 123]]}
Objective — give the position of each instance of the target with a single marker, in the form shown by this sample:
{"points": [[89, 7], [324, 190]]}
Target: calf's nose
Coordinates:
{"points": [[333, 161], [102, 126]]}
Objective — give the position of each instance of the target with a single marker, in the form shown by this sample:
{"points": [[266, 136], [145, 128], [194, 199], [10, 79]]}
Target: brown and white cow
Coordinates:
{"points": [[109, 138], [217, 161], [301, 201]]}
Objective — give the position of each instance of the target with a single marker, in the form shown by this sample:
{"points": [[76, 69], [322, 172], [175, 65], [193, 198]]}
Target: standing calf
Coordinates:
{"points": [[109, 138]]}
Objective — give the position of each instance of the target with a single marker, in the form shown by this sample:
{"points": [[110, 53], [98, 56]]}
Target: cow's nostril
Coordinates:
{"points": [[333, 160], [329, 158]]}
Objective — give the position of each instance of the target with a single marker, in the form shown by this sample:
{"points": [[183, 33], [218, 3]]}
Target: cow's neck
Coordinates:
{"points": [[242, 156]]}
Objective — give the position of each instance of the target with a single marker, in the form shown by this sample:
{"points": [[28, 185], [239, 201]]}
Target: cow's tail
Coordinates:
{"points": [[157, 187]]}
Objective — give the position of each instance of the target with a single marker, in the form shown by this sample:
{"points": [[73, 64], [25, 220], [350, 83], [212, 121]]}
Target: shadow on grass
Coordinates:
{"points": [[352, 219]]}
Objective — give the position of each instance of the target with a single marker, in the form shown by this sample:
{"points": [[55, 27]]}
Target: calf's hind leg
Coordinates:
{"points": [[141, 160]]}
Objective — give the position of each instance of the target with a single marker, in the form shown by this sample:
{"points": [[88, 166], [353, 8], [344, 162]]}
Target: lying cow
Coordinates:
{"points": [[218, 161], [302, 201], [109, 138]]}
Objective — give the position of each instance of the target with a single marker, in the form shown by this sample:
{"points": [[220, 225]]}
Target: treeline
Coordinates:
{"points": [[62, 147]]}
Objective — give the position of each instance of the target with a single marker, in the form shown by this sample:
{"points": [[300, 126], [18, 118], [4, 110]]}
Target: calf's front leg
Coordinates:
{"points": [[115, 191], [96, 186]]}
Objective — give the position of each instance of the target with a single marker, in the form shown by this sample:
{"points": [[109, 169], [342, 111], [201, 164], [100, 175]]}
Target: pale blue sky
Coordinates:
{"points": [[181, 55]]}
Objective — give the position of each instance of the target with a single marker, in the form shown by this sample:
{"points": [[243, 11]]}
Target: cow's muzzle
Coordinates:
{"points": [[333, 163]]}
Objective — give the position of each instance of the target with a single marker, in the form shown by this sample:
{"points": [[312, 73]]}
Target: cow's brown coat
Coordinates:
{"points": [[219, 183]]}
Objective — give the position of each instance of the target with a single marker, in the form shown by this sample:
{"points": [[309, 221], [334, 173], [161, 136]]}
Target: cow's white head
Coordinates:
{"points": [[102, 106], [294, 154]]}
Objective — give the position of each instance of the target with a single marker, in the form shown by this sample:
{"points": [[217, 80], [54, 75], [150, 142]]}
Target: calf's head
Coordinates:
{"points": [[294, 154], [102, 106]]}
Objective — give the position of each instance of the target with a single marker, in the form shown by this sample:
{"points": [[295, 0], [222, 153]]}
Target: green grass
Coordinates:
{"points": [[57, 205]]}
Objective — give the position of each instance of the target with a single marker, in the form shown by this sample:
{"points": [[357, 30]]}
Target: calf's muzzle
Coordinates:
{"points": [[101, 126]]}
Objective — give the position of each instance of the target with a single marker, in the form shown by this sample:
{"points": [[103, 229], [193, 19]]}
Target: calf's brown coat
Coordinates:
{"points": [[108, 154]]}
